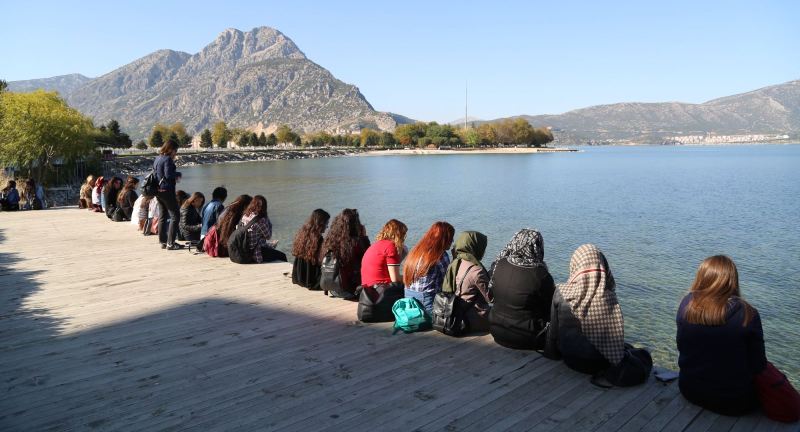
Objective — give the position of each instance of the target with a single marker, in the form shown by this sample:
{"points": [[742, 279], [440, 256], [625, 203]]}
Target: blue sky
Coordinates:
{"points": [[414, 57]]}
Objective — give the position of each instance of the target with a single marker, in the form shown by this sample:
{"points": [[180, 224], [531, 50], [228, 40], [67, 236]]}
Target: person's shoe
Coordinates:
{"points": [[175, 246], [163, 245]]}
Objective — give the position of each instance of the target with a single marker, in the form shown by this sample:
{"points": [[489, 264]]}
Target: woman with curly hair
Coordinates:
{"points": [[228, 221], [125, 200], [259, 234], [306, 250], [425, 267], [346, 241], [381, 262]]}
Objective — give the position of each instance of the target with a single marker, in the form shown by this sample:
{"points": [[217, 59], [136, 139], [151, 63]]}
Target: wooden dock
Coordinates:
{"points": [[100, 329]]}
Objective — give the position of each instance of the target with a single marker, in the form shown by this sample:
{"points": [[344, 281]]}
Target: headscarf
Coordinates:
{"points": [[470, 246], [526, 249], [590, 293]]}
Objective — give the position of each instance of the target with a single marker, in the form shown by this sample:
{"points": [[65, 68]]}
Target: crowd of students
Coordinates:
{"points": [[31, 198], [517, 301]]}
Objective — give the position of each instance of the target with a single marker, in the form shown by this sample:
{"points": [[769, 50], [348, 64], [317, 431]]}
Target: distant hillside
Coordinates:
{"points": [[64, 84], [770, 110], [256, 79]]}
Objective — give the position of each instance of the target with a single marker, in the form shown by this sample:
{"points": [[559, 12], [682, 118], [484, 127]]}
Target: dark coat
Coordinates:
{"points": [[566, 340], [190, 223], [166, 172], [127, 204], [522, 300], [718, 363]]}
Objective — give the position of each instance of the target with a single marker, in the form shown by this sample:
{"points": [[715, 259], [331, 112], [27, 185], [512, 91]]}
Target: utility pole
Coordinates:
{"points": [[466, 94]]}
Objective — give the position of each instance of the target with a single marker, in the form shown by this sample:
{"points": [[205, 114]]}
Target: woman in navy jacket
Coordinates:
{"points": [[164, 167]]}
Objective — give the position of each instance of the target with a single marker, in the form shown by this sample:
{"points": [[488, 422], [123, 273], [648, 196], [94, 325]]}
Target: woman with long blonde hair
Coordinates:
{"points": [[381, 261], [720, 341]]}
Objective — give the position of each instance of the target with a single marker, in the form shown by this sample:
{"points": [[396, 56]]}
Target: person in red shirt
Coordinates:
{"points": [[381, 262]]}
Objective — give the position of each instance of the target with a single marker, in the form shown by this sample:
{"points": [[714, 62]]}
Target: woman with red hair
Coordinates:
{"points": [[427, 264]]}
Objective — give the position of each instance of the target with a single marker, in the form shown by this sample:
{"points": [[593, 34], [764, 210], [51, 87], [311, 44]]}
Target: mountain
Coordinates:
{"points": [[257, 79], [470, 119], [64, 84], [770, 110]]}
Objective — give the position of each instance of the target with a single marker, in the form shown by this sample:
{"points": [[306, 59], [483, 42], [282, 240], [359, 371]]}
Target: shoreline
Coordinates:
{"points": [[497, 150]]}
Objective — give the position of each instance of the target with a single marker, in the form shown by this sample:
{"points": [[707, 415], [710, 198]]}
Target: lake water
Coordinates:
{"points": [[656, 212]]}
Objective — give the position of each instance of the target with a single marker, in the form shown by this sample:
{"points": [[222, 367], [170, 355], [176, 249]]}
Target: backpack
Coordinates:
{"points": [[633, 369], [410, 316], [150, 185], [449, 313], [330, 279], [375, 303], [211, 242], [238, 248]]}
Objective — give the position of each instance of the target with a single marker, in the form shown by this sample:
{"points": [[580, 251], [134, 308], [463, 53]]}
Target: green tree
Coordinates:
{"points": [[469, 136], [369, 138], [39, 127], [173, 137], [253, 139], [262, 140], [272, 140], [113, 128], [284, 134], [244, 140], [297, 141], [387, 140], [206, 140], [3, 85], [141, 145], [156, 139], [220, 134]]}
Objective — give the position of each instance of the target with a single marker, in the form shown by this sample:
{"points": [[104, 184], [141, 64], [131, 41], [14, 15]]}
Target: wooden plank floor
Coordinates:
{"points": [[102, 330]]}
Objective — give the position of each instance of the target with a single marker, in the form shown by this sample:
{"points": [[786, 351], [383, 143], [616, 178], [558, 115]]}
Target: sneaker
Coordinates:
{"points": [[175, 246], [163, 245]]}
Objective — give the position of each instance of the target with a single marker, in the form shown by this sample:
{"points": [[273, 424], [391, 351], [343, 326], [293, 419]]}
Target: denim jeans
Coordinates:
{"points": [[424, 297]]}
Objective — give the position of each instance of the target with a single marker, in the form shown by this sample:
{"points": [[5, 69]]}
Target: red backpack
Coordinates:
{"points": [[211, 242]]}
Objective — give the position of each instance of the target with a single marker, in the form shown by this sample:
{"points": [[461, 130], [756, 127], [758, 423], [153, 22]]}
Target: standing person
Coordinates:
{"points": [[126, 199], [10, 197], [227, 223], [346, 241], [85, 194], [523, 293], [307, 248], [381, 261], [164, 167], [426, 264], [468, 279], [191, 220], [720, 341], [259, 235], [212, 210]]}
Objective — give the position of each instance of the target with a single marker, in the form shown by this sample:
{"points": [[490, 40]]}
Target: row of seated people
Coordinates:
{"points": [[31, 198], [719, 334]]}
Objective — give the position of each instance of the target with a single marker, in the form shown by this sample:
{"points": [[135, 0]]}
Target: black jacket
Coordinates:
{"points": [[127, 204], [566, 340], [522, 301], [190, 223]]}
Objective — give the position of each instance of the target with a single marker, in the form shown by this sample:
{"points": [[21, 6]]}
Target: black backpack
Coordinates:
{"points": [[330, 280], [150, 186], [375, 302], [449, 313], [238, 248]]}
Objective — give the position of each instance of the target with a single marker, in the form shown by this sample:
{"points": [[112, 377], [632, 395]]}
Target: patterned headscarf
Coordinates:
{"points": [[470, 246], [590, 294], [526, 249]]}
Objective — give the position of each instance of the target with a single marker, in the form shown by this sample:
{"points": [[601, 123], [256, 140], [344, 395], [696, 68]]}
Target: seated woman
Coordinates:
{"points": [[381, 261], [586, 326], [143, 212], [126, 199], [720, 341], [191, 221], [9, 201], [426, 265], [85, 195], [346, 242], [259, 235], [111, 195], [213, 209], [226, 225], [97, 194], [523, 292], [306, 250], [468, 279]]}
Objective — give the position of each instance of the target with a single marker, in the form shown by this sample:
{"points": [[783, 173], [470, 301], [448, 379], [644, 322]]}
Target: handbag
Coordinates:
{"points": [[375, 302], [779, 400]]}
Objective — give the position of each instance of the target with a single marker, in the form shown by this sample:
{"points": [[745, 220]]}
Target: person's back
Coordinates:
{"points": [[307, 248], [522, 301], [467, 278], [376, 261], [210, 214], [720, 341], [568, 337]]}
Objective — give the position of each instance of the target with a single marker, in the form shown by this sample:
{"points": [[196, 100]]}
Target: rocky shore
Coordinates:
{"points": [[141, 164]]}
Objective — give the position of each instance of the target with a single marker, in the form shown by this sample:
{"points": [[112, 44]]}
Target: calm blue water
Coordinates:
{"points": [[656, 212]]}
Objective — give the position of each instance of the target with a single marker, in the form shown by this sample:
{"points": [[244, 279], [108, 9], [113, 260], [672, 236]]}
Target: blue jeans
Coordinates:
{"points": [[424, 297]]}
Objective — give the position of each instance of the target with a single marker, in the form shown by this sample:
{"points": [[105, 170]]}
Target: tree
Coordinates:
{"points": [[220, 134], [173, 137], [262, 140], [521, 132], [38, 128], [469, 137], [113, 128], [253, 139], [387, 140], [284, 134], [206, 140], [244, 140], [272, 140], [3, 85], [141, 145], [156, 139], [369, 138]]}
